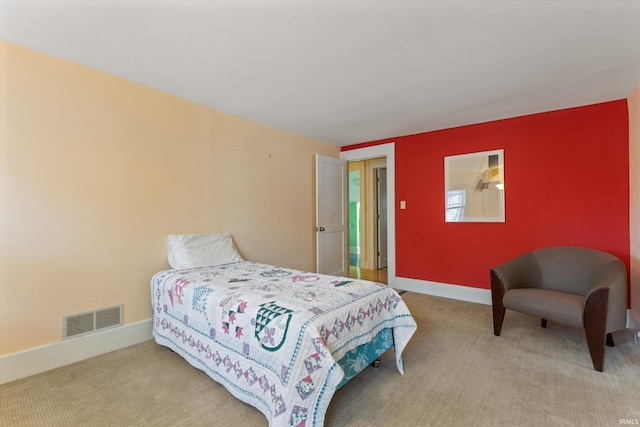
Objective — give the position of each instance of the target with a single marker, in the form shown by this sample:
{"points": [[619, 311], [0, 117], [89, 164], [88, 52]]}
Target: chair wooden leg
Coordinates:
{"points": [[595, 325], [543, 323], [498, 318], [497, 292], [610, 342]]}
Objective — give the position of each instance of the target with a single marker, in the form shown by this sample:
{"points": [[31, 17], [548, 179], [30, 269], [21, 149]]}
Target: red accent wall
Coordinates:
{"points": [[566, 183]]}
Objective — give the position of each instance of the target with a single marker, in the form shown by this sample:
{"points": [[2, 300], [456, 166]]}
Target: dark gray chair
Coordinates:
{"points": [[574, 286]]}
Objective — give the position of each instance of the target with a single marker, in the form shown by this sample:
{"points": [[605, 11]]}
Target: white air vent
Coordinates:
{"points": [[76, 325]]}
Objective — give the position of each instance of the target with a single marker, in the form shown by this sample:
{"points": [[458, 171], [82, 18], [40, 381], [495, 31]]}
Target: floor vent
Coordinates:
{"points": [[79, 324]]}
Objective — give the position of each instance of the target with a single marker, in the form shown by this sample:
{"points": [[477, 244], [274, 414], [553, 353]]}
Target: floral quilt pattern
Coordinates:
{"points": [[271, 335]]}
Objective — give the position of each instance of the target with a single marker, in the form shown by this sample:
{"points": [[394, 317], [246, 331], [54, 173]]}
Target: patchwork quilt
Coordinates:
{"points": [[273, 336]]}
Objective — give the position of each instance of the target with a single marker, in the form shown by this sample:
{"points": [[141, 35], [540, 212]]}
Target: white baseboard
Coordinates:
{"points": [[34, 361], [633, 320], [463, 293]]}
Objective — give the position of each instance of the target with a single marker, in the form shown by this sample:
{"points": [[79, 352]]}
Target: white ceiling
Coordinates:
{"points": [[350, 71]]}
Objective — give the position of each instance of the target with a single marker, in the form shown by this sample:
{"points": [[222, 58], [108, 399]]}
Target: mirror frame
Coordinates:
{"points": [[485, 186]]}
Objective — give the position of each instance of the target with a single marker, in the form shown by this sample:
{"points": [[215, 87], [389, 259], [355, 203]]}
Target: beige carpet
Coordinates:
{"points": [[457, 374]]}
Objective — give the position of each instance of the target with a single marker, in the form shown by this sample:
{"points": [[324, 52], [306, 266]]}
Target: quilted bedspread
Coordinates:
{"points": [[272, 336]]}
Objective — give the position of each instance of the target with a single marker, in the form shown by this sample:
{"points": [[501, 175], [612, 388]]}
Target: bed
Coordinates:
{"points": [[279, 339]]}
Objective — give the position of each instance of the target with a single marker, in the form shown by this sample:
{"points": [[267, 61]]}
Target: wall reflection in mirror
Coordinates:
{"points": [[474, 187]]}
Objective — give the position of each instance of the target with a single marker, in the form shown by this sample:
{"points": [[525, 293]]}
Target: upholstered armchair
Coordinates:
{"points": [[573, 286]]}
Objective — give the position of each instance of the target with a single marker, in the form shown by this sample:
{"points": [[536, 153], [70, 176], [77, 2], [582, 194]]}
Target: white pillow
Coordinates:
{"points": [[201, 250]]}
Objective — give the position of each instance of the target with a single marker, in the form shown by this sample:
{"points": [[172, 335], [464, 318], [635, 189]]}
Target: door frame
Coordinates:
{"points": [[377, 216], [384, 150]]}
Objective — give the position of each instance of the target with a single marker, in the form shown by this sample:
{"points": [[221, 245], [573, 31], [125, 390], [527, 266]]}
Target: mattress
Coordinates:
{"points": [[279, 339]]}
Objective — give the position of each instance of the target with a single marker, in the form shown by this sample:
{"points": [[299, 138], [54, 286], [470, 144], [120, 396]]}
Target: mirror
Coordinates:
{"points": [[474, 187]]}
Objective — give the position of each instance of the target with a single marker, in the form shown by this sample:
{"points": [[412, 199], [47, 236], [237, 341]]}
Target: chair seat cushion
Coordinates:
{"points": [[559, 307]]}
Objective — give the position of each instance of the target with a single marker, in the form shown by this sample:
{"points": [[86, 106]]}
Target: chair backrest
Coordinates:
{"points": [[570, 269]]}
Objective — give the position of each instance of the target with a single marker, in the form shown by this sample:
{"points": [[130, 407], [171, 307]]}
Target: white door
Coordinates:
{"points": [[381, 208], [332, 216]]}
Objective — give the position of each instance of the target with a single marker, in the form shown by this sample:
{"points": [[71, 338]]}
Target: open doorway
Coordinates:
{"points": [[368, 250], [386, 151]]}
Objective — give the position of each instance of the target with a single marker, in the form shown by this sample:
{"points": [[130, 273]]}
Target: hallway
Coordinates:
{"points": [[366, 274]]}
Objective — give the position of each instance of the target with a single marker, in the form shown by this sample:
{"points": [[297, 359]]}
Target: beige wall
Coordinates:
{"points": [[634, 201], [97, 170]]}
